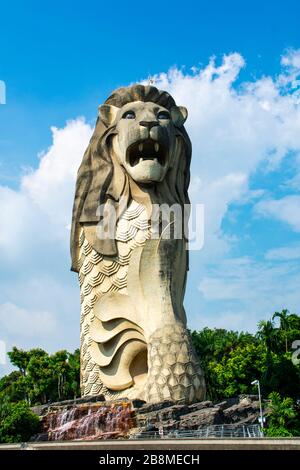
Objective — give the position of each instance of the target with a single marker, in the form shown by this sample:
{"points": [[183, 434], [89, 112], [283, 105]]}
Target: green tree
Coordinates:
{"points": [[214, 347], [73, 375], [281, 375], [231, 360], [237, 370], [18, 423], [294, 321], [281, 416], [13, 386], [267, 333], [284, 324], [42, 377], [20, 359]]}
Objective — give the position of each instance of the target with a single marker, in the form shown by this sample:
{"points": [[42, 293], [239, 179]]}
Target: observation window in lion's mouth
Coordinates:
{"points": [[146, 150]]}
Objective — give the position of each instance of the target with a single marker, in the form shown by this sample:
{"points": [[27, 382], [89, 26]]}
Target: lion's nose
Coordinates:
{"points": [[149, 124]]}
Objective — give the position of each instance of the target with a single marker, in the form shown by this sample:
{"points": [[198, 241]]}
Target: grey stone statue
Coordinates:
{"points": [[134, 341]]}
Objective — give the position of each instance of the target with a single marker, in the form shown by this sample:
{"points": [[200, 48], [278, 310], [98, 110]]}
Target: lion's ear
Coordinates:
{"points": [[108, 114], [179, 115]]}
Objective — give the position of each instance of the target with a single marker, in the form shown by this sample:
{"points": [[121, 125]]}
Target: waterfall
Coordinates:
{"points": [[89, 421]]}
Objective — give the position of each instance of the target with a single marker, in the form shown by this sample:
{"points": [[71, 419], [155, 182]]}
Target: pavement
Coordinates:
{"points": [[164, 444]]}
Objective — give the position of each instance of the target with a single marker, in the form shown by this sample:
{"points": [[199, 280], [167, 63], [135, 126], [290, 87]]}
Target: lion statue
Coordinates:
{"points": [[134, 341]]}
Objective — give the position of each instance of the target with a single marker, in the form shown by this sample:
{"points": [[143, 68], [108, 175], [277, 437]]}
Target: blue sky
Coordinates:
{"points": [[60, 60]]}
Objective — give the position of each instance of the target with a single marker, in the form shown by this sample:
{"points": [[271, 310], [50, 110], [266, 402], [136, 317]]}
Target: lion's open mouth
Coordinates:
{"points": [[146, 150]]}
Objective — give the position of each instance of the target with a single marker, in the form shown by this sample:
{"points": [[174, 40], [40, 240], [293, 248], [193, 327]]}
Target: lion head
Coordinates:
{"points": [[139, 150], [145, 138]]}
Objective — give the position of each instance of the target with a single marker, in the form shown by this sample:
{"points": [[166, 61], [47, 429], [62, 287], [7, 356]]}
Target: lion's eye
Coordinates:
{"points": [[129, 115], [163, 115]]}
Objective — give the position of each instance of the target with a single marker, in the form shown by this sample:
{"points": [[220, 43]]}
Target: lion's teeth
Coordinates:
{"points": [[141, 147], [156, 146], [155, 160], [140, 160]]}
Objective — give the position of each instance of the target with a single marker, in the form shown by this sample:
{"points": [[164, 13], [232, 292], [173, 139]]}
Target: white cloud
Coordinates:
{"points": [[39, 294], [40, 310], [229, 320], [286, 209], [239, 279], [291, 61], [40, 211], [236, 132], [284, 253], [51, 186], [15, 215], [247, 291], [17, 321]]}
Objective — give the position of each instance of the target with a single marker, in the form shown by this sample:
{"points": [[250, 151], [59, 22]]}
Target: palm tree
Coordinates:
{"points": [[284, 318], [267, 333], [281, 410], [294, 321]]}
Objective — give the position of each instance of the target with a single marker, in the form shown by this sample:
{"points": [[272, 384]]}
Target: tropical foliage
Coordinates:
{"points": [[40, 378], [231, 361], [283, 417], [17, 422]]}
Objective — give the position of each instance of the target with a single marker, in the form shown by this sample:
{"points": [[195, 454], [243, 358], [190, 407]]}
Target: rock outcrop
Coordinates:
{"points": [[237, 411], [99, 419]]}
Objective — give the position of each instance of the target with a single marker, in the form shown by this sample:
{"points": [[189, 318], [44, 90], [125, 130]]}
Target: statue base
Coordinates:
{"points": [[93, 419]]}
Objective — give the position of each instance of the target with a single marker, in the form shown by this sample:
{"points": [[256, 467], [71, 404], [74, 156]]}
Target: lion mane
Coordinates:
{"points": [[98, 179]]}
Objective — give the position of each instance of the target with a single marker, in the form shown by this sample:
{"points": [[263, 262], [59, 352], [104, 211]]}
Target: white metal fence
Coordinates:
{"points": [[222, 431]]}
